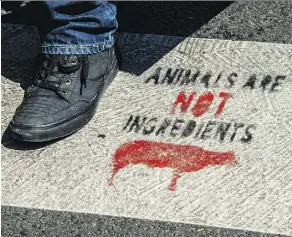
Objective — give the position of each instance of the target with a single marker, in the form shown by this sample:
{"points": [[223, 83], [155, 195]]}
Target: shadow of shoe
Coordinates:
{"points": [[21, 72], [9, 142], [19, 48], [24, 13], [133, 17]]}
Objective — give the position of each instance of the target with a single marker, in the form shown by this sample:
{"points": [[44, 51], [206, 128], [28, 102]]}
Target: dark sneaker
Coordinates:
{"points": [[64, 96]]}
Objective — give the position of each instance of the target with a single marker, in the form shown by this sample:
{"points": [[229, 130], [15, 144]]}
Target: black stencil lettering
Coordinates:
{"points": [[128, 122], [189, 128], [163, 127], [222, 130], [169, 76], [179, 76], [137, 124], [236, 127], [231, 80], [176, 126], [186, 78], [155, 76], [248, 136], [199, 130], [209, 127], [277, 83], [266, 81], [150, 129], [205, 79], [217, 80], [195, 76], [250, 82]]}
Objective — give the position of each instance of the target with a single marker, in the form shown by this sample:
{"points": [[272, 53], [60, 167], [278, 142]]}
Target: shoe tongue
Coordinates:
{"points": [[69, 63], [45, 92], [66, 63]]}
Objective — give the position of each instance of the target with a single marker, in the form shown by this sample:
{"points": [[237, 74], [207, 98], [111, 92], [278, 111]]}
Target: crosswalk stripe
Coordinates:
{"points": [[222, 159]]}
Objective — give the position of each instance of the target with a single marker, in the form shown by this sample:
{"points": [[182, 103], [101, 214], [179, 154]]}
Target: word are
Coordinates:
{"points": [[202, 104], [181, 76], [179, 128]]}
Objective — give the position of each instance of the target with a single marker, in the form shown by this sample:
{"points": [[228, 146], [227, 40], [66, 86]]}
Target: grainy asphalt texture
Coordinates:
{"points": [[38, 223], [265, 21], [251, 21]]}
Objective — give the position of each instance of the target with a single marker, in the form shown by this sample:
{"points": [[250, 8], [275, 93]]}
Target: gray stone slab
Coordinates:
{"points": [[250, 190]]}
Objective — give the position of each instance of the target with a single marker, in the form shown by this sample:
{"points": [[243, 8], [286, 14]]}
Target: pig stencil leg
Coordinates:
{"points": [[110, 181], [176, 175]]}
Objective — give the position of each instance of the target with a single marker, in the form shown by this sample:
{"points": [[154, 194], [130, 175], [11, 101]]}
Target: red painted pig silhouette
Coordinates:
{"points": [[182, 158]]}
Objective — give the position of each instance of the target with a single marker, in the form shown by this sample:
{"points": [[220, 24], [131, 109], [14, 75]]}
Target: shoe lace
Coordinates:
{"points": [[47, 69]]}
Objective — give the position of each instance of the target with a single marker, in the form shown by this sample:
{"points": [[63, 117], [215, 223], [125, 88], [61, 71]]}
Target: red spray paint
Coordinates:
{"points": [[185, 103], [225, 97], [182, 158], [203, 104]]}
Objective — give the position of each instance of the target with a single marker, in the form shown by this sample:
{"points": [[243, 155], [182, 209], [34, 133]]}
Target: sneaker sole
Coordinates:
{"points": [[52, 132]]}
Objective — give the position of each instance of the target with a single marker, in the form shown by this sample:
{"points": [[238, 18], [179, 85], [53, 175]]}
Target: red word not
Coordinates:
{"points": [[202, 104], [181, 158]]}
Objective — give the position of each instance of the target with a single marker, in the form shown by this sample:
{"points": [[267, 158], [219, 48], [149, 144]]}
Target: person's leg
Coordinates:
{"points": [[78, 27], [77, 65]]}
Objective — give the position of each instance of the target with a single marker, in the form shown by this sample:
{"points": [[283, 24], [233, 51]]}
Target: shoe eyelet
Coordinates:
{"points": [[64, 92], [74, 61], [72, 73], [68, 82]]}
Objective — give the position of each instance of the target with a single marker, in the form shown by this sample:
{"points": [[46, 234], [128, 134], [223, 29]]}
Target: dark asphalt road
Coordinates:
{"points": [[252, 21], [264, 21], [42, 223]]}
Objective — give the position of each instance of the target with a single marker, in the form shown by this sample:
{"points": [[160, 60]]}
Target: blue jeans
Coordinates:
{"points": [[79, 27]]}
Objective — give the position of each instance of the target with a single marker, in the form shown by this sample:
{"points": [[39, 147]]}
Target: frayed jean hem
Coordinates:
{"points": [[76, 49]]}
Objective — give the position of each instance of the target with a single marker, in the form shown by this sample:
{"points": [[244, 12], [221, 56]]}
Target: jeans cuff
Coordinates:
{"points": [[76, 49]]}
